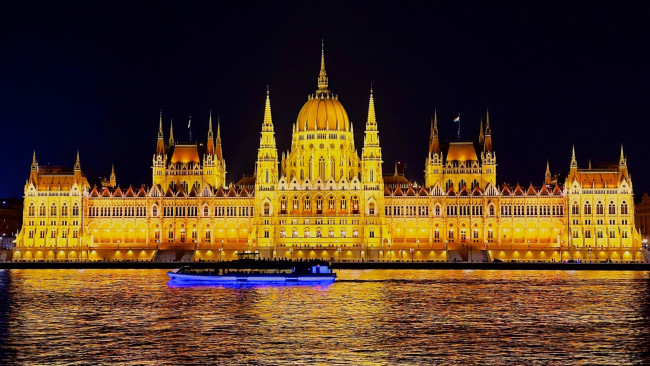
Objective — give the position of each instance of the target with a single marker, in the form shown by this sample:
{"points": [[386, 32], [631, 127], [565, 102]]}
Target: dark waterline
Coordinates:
{"points": [[367, 317]]}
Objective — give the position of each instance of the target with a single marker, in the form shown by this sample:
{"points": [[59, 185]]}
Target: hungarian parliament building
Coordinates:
{"points": [[321, 199]]}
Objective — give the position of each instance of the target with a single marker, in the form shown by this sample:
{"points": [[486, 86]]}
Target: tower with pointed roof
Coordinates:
{"points": [[266, 180], [433, 166]]}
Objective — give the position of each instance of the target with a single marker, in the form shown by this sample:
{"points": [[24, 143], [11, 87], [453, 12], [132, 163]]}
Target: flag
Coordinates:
{"points": [[457, 119], [189, 123]]}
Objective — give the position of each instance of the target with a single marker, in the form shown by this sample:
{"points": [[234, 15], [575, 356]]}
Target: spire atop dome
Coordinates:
{"points": [[322, 76]]}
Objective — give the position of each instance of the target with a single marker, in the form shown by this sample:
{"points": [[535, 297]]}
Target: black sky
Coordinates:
{"points": [[553, 74]]}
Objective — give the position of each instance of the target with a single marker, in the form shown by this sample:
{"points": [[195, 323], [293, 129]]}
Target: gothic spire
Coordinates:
{"points": [[267, 125], [547, 174], [77, 164], [434, 142], [160, 146], [481, 137], [34, 162], [210, 144], [574, 162], [372, 119], [322, 76], [488, 130], [218, 151], [622, 161], [171, 132], [160, 129]]}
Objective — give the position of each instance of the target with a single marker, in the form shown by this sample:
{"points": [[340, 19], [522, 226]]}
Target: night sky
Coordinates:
{"points": [[552, 75]]}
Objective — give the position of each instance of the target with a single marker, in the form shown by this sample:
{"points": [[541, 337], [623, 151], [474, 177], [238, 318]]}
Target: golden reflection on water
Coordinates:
{"points": [[366, 317]]}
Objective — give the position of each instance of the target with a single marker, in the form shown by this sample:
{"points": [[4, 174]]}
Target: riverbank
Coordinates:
{"points": [[337, 265]]}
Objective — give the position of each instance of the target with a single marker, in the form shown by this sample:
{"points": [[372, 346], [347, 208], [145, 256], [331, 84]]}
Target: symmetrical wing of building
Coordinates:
{"points": [[321, 199]]}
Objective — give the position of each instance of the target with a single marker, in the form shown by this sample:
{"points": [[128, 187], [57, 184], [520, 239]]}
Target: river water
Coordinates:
{"points": [[368, 317]]}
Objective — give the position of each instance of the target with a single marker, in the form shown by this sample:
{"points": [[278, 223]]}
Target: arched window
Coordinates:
{"points": [[307, 233], [206, 210], [575, 233], [53, 210], [307, 204], [343, 233], [437, 210], [330, 233], [475, 184], [321, 168], [612, 208], [294, 233], [371, 208], [154, 210], [283, 233], [266, 175], [461, 183], [624, 208], [574, 209], [372, 175], [448, 185], [302, 174], [355, 204], [319, 233], [267, 208], [587, 209], [32, 209], [344, 203], [599, 208], [64, 210], [319, 204], [491, 210], [355, 233], [75, 210], [295, 202], [331, 202]]}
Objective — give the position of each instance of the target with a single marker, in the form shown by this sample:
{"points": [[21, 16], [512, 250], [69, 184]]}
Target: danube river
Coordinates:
{"points": [[367, 317]]}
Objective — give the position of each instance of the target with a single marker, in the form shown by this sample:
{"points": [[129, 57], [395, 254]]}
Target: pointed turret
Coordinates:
{"points": [[267, 155], [267, 125], [160, 145], [34, 162], [218, 150], [547, 174], [171, 132], [112, 179], [434, 141], [322, 75], [622, 165], [371, 153], [488, 133], [481, 137], [77, 164], [574, 162], [372, 119], [622, 161], [210, 144]]}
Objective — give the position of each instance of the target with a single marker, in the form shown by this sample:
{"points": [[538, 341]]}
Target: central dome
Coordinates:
{"points": [[323, 113]]}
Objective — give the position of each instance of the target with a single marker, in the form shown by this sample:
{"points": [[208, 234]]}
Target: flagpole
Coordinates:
{"points": [[458, 126]]}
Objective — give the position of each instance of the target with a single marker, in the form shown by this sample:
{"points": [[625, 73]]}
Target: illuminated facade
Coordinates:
{"points": [[320, 199]]}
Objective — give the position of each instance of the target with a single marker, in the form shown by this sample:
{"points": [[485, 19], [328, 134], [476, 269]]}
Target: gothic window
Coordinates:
{"points": [[451, 234], [31, 210], [612, 208], [355, 204], [283, 233], [344, 203], [283, 204], [64, 210], [587, 234], [587, 209], [461, 183], [321, 168], [267, 208], [331, 202], [266, 175], [206, 210], [294, 233], [624, 234], [295, 202], [437, 210], [319, 233], [330, 233], [599, 233], [53, 210], [184, 184], [575, 233], [266, 233], [355, 233], [612, 233], [624, 208], [307, 233], [474, 184], [302, 174], [371, 208], [307, 204], [448, 185], [319, 204], [154, 211], [599, 208], [343, 233], [574, 209], [372, 175], [491, 210]]}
